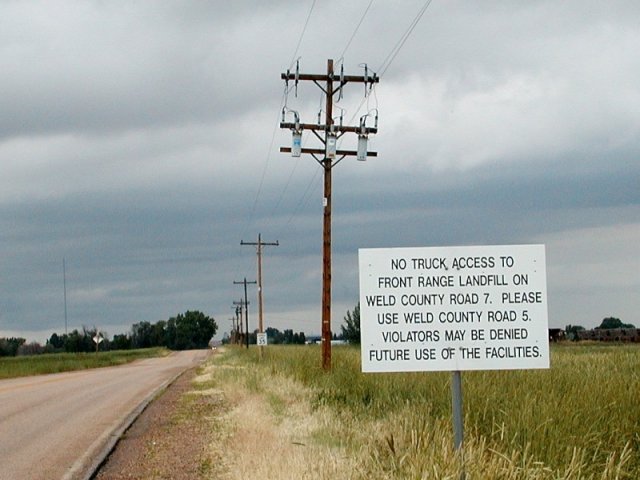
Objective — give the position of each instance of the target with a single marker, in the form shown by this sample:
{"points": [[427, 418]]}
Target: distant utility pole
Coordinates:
{"points": [[238, 338], [239, 324], [239, 307], [236, 326], [246, 306], [328, 157], [259, 244]]}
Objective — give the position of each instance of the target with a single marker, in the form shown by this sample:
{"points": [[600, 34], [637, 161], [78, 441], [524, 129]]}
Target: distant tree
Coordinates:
{"points": [[142, 335], [121, 341], [288, 336], [56, 342], [351, 327], [274, 336], [613, 322], [170, 334], [194, 330], [9, 346], [74, 342], [159, 334]]}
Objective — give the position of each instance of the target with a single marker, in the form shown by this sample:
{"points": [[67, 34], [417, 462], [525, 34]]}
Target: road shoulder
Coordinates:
{"points": [[170, 439]]}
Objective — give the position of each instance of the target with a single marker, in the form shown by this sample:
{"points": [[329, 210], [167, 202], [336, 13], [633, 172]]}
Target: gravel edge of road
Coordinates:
{"points": [[85, 468]]}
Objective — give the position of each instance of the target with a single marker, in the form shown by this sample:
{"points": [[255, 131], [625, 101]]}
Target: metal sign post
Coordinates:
{"points": [[456, 406], [98, 340], [458, 417]]}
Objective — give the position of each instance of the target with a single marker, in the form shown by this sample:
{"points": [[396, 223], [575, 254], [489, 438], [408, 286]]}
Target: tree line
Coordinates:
{"points": [[190, 330], [608, 323], [194, 329]]}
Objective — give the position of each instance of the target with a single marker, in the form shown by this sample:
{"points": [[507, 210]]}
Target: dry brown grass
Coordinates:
{"points": [[275, 434]]}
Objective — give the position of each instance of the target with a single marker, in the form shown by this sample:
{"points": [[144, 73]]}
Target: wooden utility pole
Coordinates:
{"points": [[246, 306], [239, 306], [237, 324], [259, 244], [328, 157]]}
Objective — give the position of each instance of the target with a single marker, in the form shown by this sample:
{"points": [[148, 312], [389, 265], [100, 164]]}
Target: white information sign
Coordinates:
{"points": [[261, 339], [453, 308]]}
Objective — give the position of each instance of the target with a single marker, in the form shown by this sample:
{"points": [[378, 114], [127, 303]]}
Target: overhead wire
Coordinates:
{"points": [[275, 128], [264, 171], [286, 186], [356, 30], [398, 46], [294, 58], [305, 198], [394, 53], [304, 29], [391, 56], [383, 69]]}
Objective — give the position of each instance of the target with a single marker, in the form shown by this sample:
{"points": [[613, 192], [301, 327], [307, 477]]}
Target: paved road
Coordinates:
{"points": [[56, 426]]}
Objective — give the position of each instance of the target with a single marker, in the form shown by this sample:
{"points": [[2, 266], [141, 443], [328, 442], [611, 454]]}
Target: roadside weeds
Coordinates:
{"points": [[270, 430]]}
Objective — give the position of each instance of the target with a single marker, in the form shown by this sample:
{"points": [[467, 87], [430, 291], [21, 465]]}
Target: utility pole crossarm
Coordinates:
{"points": [[242, 242], [324, 128], [321, 151], [333, 78], [246, 305]]}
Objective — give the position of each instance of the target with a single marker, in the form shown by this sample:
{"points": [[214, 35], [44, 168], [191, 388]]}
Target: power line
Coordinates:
{"points": [[394, 51], [356, 29], [275, 129], [304, 199], [304, 29], [264, 170], [286, 186], [398, 46], [305, 196], [383, 69]]}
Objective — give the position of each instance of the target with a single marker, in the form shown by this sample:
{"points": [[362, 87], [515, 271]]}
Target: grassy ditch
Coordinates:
{"points": [[12, 367], [578, 420]]}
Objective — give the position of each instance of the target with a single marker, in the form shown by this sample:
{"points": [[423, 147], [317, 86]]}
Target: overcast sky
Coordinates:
{"points": [[139, 142]]}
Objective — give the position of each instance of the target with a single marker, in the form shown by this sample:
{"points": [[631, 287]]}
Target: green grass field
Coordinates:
{"points": [[578, 420], [11, 367]]}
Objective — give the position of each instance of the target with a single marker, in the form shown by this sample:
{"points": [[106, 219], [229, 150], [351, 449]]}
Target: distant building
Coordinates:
{"points": [[610, 335]]}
